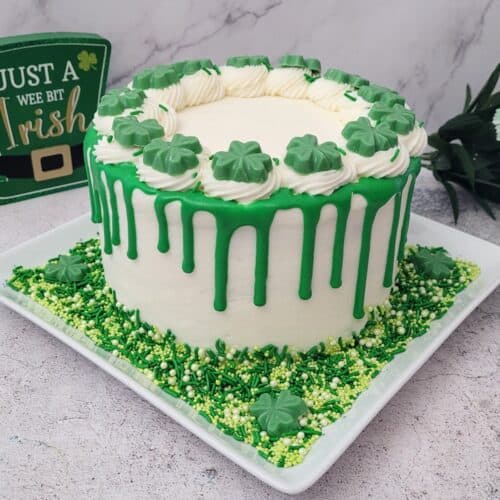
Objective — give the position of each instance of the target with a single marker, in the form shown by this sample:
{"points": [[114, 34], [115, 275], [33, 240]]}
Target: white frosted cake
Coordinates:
{"points": [[252, 204]]}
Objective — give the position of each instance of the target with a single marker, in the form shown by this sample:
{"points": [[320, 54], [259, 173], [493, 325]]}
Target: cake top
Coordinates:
{"points": [[244, 130]]}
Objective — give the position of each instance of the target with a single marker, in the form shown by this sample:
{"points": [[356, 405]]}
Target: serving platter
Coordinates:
{"points": [[339, 435]]}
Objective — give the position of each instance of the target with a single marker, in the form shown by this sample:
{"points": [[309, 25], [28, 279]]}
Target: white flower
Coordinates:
{"points": [[496, 122]]}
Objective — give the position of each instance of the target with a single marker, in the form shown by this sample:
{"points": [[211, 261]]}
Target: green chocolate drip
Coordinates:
{"points": [[406, 218], [115, 219], [343, 209], [311, 216], [230, 216], [389, 264], [163, 240]]}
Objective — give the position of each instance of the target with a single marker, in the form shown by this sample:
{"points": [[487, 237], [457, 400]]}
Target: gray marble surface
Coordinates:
{"points": [[67, 430], [427, 50]]}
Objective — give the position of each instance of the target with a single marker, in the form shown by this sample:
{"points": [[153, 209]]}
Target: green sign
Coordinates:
{"points": [[50, 85]]}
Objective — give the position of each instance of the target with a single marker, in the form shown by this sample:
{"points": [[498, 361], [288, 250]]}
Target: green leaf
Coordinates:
{"points": [[67, 269], [465, 161], [172, 158], [484, 94], [468, 98], [452, 195], [244, 162], [434, 263], [365, 139], [129, 131], [278, 416], [306, 156]]}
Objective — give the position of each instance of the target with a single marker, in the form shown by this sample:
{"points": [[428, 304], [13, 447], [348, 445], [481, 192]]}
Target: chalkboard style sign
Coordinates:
{"points": [[50, 85]]}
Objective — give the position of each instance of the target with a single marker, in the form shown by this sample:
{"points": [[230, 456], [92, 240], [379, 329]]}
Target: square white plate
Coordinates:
{"points": [[339, 435]]}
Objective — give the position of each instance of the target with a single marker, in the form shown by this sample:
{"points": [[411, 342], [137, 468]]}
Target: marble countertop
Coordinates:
{"points": [[71, 431]]}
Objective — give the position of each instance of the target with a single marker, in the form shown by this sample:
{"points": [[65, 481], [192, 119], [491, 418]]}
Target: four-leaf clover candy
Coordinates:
{"points": [[118, 100], [129, 131], [244, 162], [67, 269], [278, 416], [365, 139], [401, 120], [379, 110], [305, 155], [434, 263], [174, 157]]}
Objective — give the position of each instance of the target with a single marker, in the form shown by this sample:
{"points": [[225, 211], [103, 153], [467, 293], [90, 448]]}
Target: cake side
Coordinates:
{"points": [[267, 239]]}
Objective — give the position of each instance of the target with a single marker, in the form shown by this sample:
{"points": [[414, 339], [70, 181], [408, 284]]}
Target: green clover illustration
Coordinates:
{"points": [[174, 157], [244, 162], [365, 139], [129, 131], [118, 100], [401, 120], [278, 416], [434, 263], [306, 156], [87, 60], [67, 269]]}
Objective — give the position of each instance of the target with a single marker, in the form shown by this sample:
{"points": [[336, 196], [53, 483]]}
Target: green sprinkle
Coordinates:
{"points": [[349, 96], [137, 153], [395, 155], [161, 106], [223, 383]]}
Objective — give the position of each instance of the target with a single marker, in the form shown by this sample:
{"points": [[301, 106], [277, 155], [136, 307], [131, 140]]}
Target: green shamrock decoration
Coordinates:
{"points": [[278, 416], [129, 131], [391, 98], [306, 156], [295, 61], [379, 110], [365, 139], [117, 100], [244, 162], [67, 269], [87, 60], [401, 120], [172, 158], [159, 77], [434, 263], [372, 93], [191, 66], [336, 75], [242, 61]]}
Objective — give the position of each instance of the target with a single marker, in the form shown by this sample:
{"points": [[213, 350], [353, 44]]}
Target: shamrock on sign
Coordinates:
{"points": [[118, 100], [280, 415], [174, 157], [129, 131], [67, 269], [306, 156], [365, 139], [433, 262], [87, 60], [244, 162]]}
